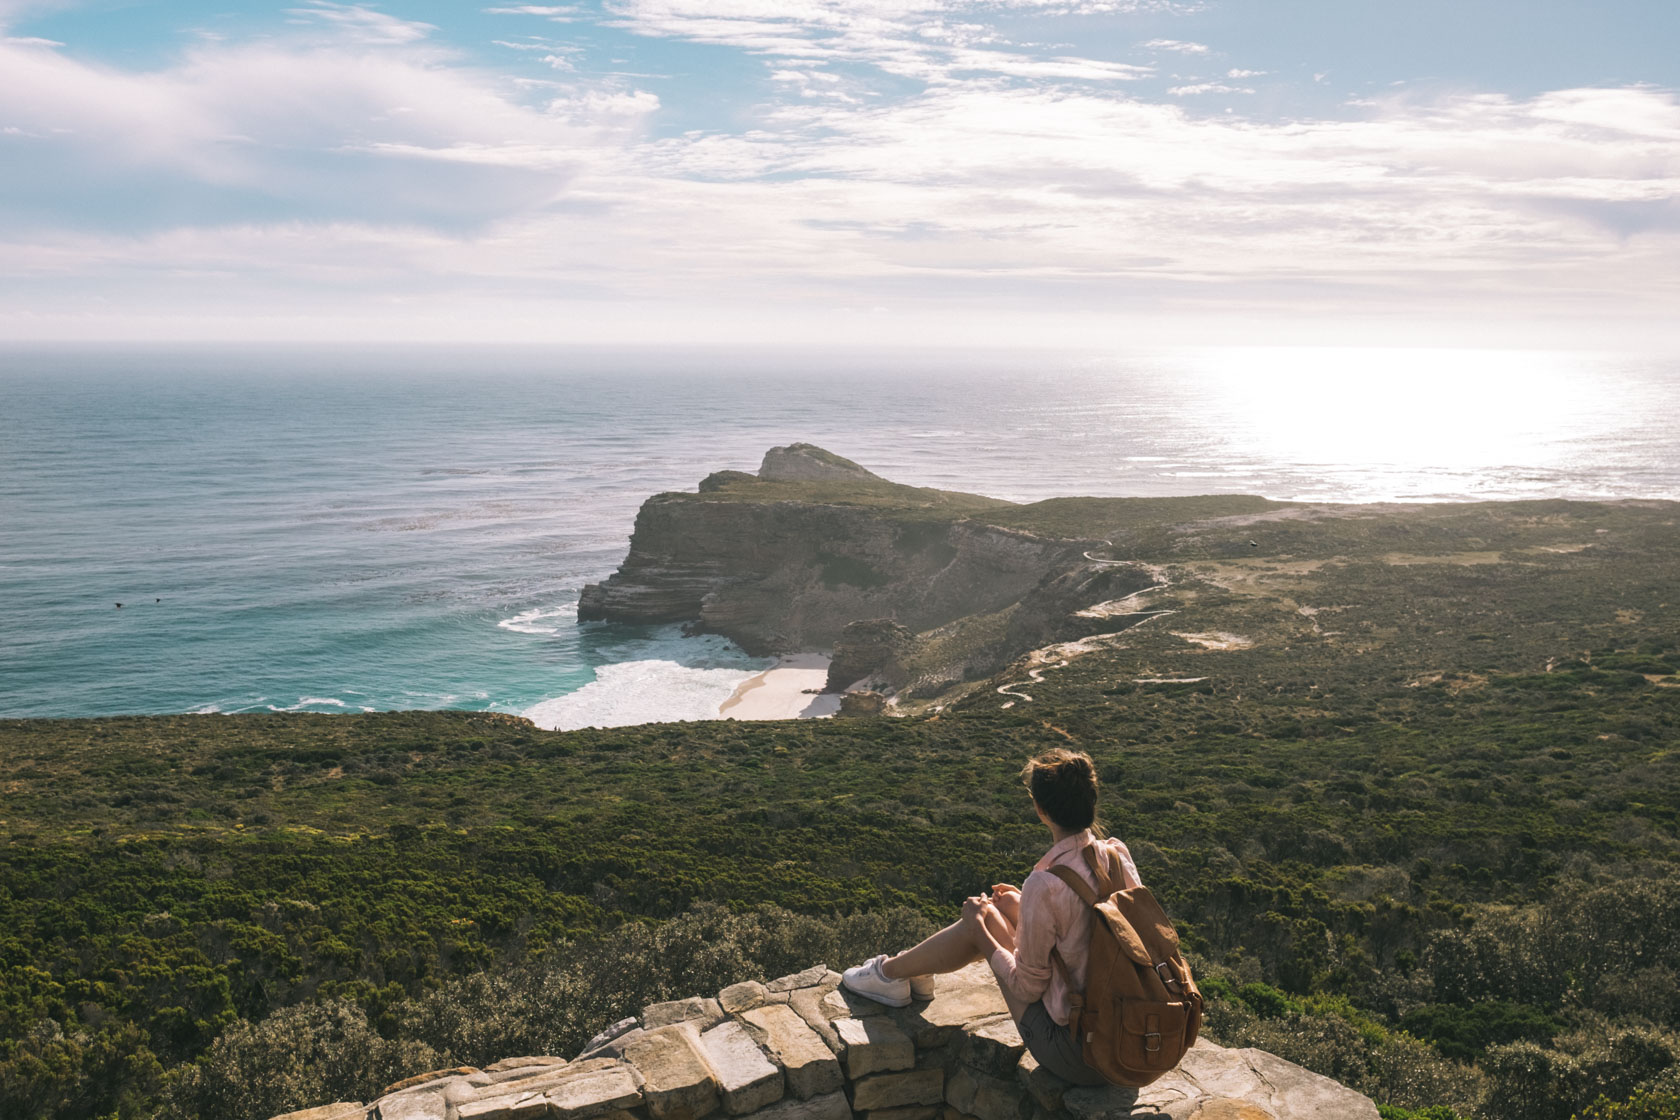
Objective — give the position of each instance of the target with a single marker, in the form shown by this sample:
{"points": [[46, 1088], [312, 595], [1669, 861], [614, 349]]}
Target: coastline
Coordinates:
{"points": [[779, 691]]}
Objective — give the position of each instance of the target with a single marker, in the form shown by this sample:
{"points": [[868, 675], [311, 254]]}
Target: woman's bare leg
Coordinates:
{"points": [[949, 949], [1007, 899]]}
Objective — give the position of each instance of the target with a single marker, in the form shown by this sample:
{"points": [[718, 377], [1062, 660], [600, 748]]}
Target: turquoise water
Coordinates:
{"points": [[335, 530]]}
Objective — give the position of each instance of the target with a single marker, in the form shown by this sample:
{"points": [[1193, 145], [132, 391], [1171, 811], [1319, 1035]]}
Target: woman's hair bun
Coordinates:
{"points": [[1064, 784]]}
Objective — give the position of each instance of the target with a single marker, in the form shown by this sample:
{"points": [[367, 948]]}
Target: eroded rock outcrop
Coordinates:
{"points": [[872, 652], [806, 462], [786, 576], [801, 1048]]}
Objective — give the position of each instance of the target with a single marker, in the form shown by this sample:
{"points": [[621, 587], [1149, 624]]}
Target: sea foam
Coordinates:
{"points": [[641, 692], [541, 620]]}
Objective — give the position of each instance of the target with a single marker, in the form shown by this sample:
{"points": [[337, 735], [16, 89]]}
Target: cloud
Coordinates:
{"points": [[1198, 88], [1176, 45], [1236, 73], [372, 172], [904, 38], [559, 14], [281, 132], [359, 23]]}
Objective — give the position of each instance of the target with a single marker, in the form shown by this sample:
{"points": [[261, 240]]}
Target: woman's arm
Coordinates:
{"points": [[1023, 969]]}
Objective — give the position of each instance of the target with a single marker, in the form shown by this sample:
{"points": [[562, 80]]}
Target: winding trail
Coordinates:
{"points": [[1036, 673]]}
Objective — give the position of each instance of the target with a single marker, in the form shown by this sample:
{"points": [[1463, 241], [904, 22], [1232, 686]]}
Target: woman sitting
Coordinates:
{"points": [[1016, 930]]}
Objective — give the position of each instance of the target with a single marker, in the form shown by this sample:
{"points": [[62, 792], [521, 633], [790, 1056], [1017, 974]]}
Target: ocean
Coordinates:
{"points": [[363, 529]]}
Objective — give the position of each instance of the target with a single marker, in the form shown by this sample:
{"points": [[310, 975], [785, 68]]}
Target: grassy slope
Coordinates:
{"points": [[1386, 752]]}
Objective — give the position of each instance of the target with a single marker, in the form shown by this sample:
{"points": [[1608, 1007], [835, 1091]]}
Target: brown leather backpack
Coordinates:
{"points": [[1140, 1010]]}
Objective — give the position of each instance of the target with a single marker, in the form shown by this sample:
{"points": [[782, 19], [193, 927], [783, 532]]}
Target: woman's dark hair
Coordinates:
{"points": [[1064, 783]]}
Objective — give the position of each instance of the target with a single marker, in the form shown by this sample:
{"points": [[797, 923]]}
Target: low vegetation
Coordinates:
{"points": [[1408, 782]]}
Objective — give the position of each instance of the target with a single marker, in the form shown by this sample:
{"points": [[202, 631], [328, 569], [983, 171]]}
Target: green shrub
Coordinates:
{"points": [[1465, 1031], [1434, 1112], [1640, 1106], [296, 1058], [552, 1004]]}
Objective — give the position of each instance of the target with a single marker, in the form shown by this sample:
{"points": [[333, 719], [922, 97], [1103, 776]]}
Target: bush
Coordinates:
{"points": [[1463, 1032], [1393, 1068], [296, 1058], [552, 1004], [1528, 1082], [1641, 1106]]}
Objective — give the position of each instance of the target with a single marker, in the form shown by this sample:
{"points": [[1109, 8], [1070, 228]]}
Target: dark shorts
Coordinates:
{"points": [[1052, 1044]]}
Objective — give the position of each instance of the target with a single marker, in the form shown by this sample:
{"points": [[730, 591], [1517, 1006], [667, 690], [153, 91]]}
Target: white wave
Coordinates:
{"points": [[536, 621], [641, 692], [306, 702], [206, 710]]}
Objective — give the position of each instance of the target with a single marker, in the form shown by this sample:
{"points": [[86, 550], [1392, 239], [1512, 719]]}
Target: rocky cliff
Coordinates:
{"points": [[784, 560], [801, 1048]]}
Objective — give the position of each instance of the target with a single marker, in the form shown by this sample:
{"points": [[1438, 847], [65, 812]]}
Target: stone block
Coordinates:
{"points": [[841, 1003], [412, 1104], [809, 1064], [506, 1106], [807, 1003], [898, 1090], [519, 1070], [928, 1112], [874, 1046], [1175, 1099], [616, 1031], [940, 1057], [992, 1046], [1231, 1084], [827, 1106], [1044, 1087], [703, 1013], [531, 1062], [593, 1087], [744, 996], [343, 1110], [959, 999], [747, 1080], [677, 1084], [518, 1099], [990, 1098], [810, 978], [425, 1078]]}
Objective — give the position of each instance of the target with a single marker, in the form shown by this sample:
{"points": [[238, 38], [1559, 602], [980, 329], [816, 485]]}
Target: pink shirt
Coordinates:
{"points": [[1053, 916]]}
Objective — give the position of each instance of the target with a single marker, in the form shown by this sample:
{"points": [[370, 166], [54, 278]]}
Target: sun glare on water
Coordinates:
{"points": [[1418, 415]]}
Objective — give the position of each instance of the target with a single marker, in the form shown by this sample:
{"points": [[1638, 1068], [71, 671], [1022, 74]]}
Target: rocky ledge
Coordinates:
{"points": [[912, 589], [801, 1048]]}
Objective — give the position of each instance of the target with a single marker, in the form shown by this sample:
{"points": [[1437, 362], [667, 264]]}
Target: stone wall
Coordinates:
{"points": [[801, 1048]]}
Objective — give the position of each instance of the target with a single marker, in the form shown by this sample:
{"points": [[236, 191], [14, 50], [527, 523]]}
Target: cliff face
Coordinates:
{"points": [[777, 576]]}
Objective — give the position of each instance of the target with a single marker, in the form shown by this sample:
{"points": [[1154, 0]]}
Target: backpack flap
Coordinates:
{"points": [[1123, 932], [1151, 922]]}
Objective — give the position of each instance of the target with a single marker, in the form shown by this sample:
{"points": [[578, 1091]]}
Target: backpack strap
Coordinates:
{"points": [[1107, 883], [1078, 885], [1076, 998]]}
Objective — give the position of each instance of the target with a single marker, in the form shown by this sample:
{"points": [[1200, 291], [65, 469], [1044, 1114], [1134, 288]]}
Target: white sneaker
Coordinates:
{"points": [[921, 988], [866, 980]]}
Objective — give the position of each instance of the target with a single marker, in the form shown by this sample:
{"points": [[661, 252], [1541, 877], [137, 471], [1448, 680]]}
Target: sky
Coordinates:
{"points": [[843, 172]]}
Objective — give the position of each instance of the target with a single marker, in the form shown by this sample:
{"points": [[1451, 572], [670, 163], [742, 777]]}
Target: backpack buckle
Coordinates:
{"points": [[1168, 977], [1147, 1048]]}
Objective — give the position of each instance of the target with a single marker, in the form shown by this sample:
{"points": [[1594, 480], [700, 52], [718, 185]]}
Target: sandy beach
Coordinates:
{"points": [[779, 692]]}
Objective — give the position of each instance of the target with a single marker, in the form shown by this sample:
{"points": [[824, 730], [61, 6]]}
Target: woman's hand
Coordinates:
{"points": [[1007, 899], [974, 913]]}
